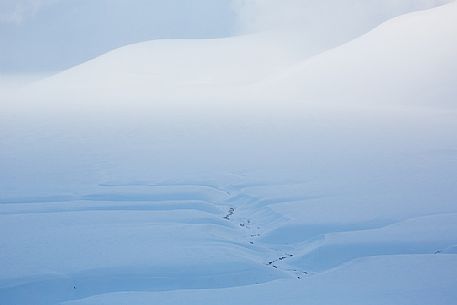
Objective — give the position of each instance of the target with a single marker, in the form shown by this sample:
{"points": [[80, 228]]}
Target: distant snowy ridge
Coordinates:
{"points": [[163, 70], [389, 65]]}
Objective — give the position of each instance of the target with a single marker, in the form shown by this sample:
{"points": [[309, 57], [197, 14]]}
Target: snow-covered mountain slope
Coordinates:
{"points": [[270, 178], [167, 69], [327, 23], [409, 60]]}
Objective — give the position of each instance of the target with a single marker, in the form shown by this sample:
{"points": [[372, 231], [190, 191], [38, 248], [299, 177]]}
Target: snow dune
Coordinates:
{"points": [[96, 245], [367, 283], [248, 170]]}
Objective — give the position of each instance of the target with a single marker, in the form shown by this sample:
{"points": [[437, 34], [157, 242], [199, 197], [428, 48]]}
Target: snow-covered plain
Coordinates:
{"points": [[247, 170]]}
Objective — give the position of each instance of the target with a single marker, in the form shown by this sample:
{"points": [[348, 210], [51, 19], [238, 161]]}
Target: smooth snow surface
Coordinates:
{"points": [[247, 170]]}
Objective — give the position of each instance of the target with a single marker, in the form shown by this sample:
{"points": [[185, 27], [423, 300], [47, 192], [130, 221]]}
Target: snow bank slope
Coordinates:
{"points": [[401, 280]]}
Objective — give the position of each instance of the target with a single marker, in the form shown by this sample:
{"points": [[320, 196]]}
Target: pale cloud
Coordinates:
{"points": [[17, 11]]}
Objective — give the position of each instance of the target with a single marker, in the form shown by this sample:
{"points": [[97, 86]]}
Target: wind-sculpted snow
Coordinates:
{"points": [[151, 241], [402, 279], [94, 245], [310, 180]]}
